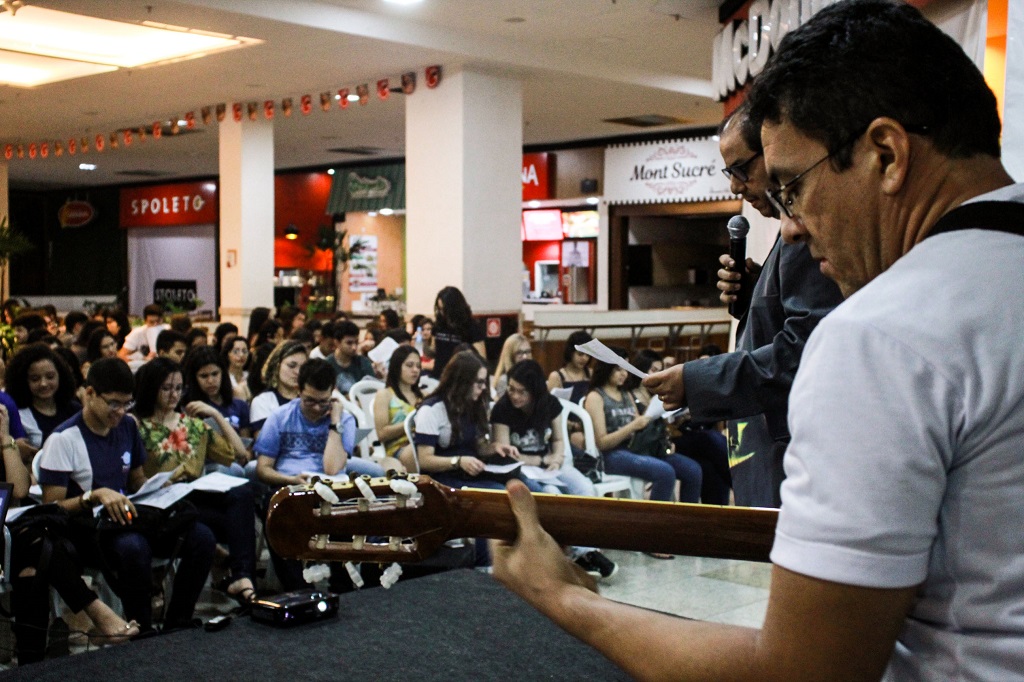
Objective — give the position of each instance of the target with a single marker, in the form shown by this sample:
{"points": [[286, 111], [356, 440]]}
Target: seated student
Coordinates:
{"points": [[118, 325], [575, 371], [304, 336], [73, 324], [197, 337], [206, 381], [703, 443], [515, 349], [426, 342], [397, 400], [81, 343], [327, 344], [182, 442], [236, 360], [281, 382], [451, 430], [349, 366], [43, 388], [102, 344], [172, 345], [256, 319], [32, 577], [221, 333], [254, 380], [527, 417], [24, 324], [616, 419], [271, 332], [94, 459], [140, 343]]}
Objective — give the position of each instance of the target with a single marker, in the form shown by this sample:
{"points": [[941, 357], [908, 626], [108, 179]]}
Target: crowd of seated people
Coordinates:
{"points": [[94, 409]]}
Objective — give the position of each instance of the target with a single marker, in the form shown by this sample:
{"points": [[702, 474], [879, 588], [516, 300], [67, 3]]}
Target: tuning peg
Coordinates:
{"points": [[358, 542]]}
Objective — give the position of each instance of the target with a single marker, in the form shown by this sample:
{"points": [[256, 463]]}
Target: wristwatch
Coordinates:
{"points": [[455, 462], [87, 498], [336, 427]]}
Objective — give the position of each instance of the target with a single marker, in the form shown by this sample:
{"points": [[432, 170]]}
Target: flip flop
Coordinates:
{"points": [[659, 555], [98, 639]]}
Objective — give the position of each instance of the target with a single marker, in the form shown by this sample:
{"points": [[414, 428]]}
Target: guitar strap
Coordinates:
{"points": [[1000, 216]]}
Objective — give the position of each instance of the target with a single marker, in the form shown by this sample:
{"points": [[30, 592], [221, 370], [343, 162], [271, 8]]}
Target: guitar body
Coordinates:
{"points": [[408, 520]]}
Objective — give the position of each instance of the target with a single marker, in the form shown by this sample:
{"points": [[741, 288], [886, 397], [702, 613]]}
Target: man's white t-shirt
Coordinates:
{"points": [[907, 460], [143, 336]]}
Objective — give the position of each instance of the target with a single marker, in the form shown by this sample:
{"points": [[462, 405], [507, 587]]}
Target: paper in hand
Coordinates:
{"points": [[382, 352], [655, 408], [596, 349]]}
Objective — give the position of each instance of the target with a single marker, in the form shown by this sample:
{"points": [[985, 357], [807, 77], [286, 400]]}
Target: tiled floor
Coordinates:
{"points": [[717, 590]]}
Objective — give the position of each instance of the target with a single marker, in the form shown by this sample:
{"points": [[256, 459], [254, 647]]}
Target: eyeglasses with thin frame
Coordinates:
{"points": [[313, 402], [117, 405], [482, 383], [783, 203], [739, 170]]}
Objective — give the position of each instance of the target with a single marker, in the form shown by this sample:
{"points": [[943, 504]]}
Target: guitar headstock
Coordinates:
{"points": [[403, 519]]}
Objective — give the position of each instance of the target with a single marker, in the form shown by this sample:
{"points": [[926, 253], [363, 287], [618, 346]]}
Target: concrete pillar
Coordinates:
{"points": [[246, 218], [463, 162], [1013, 102]]}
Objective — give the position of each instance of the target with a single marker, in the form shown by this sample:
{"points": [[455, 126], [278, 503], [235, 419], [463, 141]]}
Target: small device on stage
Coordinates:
{"points": [[293, 608]]}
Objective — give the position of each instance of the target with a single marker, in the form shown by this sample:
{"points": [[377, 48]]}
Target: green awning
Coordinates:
{"points": [[367, 188]]}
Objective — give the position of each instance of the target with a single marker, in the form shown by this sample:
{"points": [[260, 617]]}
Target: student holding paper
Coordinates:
{"points": [[93, 460], [180, 442]]}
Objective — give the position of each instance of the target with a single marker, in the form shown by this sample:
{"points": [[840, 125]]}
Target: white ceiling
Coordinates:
{"points": [[581, 61]]}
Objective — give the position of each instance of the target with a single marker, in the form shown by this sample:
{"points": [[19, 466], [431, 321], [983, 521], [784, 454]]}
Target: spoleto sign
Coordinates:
{"points": [[741, 50], [660, 172]]}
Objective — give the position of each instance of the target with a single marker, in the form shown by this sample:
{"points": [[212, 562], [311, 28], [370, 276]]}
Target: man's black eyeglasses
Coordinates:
{"points": [[739, 170]]}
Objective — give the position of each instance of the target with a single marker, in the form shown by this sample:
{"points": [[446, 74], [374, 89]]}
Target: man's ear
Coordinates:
{"points": [[890, 143]]}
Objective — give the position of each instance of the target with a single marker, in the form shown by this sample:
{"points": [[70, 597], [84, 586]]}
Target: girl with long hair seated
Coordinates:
{"points": [[280, 381], [207, 381], [43, 388], [394, 403], [237, 360], [515, 349], [616, 420], [452, 433], [181, 441], [528, 418]]}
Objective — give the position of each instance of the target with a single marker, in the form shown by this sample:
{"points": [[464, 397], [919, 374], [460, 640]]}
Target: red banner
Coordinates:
{"points": [[538, 176], [188, 203]]}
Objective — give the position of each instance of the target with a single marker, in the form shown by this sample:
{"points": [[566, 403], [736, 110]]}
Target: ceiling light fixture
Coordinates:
{"points": [[87, 166], [291, 232], [403, 2], [62, 45], [330, 171], [353, 98], [386, 211]]}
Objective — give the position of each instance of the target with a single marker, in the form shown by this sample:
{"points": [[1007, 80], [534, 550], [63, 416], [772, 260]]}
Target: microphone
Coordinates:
{"points": [[738, 226]]}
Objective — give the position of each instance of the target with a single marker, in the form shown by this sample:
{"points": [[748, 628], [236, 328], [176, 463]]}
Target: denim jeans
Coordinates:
{"points": [[358, 466], [569, 482], [661, 472], [231, 516]]}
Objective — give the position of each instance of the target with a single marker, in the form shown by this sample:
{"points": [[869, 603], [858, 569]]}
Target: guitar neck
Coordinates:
{"points": [[686, 529]]}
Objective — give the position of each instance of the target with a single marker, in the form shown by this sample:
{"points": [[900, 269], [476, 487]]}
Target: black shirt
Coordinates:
{"points": [[447, 340], [529, 433]]}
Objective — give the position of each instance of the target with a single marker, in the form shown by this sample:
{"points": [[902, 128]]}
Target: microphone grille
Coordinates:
{"points": [[738, 227]]}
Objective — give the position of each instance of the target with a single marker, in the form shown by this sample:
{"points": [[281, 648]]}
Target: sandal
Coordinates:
{"points": [[98, 639], [244, 597], [659, 555]]}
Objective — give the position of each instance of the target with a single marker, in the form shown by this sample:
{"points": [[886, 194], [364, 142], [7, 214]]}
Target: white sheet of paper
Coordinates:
{"points": [[218, 482], [361, 434], [165, 497], [539, 473], [382, 352], [655, 408], [596, 349], [502, 468], [156, 482], [12, 514], [563, 393]]}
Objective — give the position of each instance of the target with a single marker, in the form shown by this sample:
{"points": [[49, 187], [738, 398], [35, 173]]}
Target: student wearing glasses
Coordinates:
{"points": [[515, 349], [452, 429], [749, 388], [181, 441], [94, 460]]}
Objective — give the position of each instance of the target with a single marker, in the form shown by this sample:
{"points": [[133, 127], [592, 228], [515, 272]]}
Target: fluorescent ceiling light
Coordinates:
{"points": [[75, 38], [330, 171], [87, 166], [403, 2], [29, 70], [353, 98], [386, 211]]}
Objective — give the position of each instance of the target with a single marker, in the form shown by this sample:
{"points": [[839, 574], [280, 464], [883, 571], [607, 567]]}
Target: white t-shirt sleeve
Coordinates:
{"points": [[262, 406], [429, 421], [33, 434], [872, 423], [135, 339]]}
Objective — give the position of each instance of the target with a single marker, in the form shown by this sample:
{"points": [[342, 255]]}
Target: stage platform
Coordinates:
{"points": [[458, 625]]}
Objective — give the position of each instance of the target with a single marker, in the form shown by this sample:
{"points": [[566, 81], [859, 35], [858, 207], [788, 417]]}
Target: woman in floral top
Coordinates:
{"points": [[181, 441]]}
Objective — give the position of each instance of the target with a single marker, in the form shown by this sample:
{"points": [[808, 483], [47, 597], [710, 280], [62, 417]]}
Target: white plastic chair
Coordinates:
{"points": [[408, 425], [428, 384], [364, 446], [610, 483], [363, 393]]}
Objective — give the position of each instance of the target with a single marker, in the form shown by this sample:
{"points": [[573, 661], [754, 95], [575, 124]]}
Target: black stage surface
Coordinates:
{"points": [[458, 625]]}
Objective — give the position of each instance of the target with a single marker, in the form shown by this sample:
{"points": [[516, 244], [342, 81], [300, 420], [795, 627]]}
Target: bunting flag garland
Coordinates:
{"points": [[113, 140]]}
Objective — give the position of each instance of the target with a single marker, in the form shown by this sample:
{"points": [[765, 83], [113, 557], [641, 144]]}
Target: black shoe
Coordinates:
{"points": [[597, 565]]}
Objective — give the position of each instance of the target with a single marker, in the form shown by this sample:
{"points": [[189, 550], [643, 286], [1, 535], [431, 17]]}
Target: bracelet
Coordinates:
{"points": [[10, 446]]}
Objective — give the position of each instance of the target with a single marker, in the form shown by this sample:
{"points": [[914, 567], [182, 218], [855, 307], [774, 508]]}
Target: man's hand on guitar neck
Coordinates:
{"points": [[534, 566]]}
